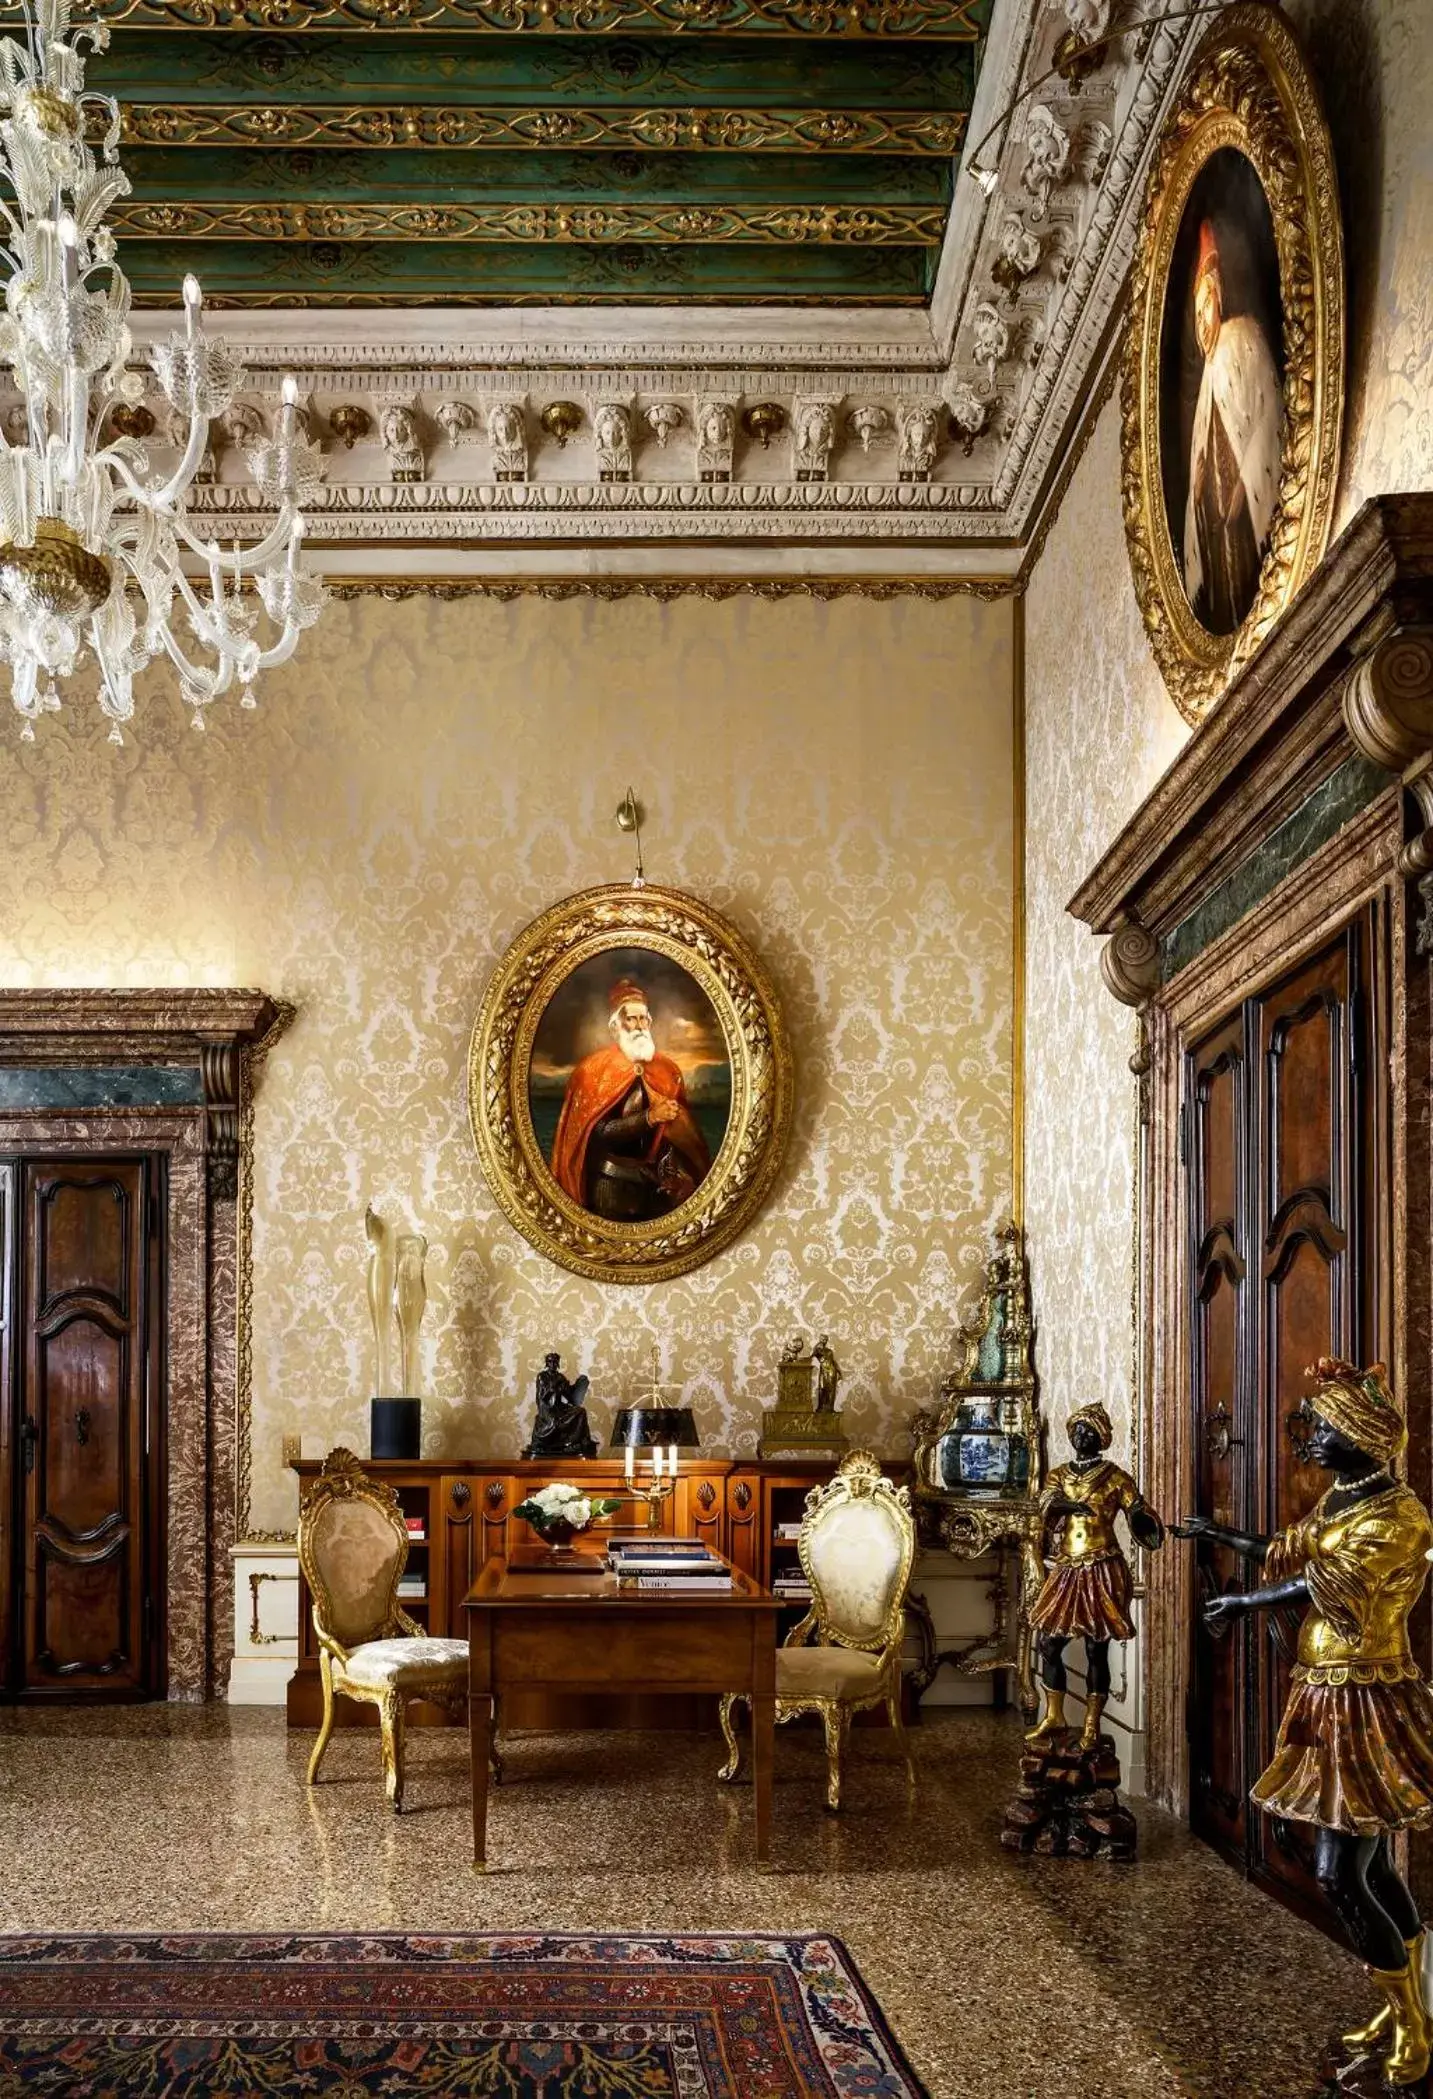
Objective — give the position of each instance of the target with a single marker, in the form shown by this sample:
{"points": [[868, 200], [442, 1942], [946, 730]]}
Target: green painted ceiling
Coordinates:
{"points": [[394, 152]]}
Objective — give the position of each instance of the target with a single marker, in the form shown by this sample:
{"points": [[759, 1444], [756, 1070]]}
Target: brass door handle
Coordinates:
{"points": [[29, 1436]]}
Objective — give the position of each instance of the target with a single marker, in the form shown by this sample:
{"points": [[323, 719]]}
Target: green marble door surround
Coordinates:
{"points": [[386, 152]]}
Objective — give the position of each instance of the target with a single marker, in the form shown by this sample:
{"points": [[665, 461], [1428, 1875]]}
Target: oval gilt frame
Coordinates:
{"points": [[542, 956], [1248, 88]]}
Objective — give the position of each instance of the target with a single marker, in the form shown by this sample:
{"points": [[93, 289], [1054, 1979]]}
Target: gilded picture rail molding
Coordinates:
{"points": [[396, 590]]}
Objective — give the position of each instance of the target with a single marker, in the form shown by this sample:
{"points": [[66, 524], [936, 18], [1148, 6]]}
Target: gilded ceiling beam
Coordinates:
{"points": [[933, 132], [950, 20], [866, 226]]}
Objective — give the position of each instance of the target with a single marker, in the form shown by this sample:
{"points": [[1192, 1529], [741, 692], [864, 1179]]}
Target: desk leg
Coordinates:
{"points": [[482, 1715], [763, 1729], [480, 1733]]}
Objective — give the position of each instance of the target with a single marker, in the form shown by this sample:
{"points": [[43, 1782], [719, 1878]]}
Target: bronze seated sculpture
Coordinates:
{"points": [[560, 1427]]}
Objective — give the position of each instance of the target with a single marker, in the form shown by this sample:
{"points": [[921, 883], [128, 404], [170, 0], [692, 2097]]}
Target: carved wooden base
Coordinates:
{"points": [[1068, 1803]]}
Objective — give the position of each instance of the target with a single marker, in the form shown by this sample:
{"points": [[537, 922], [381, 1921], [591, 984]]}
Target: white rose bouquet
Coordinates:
{"points": [[557, 1513]]}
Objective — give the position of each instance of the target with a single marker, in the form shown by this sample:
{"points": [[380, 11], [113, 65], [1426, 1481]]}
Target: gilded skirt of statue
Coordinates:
{"points": [[1086, 1600], [1355, 1755]]}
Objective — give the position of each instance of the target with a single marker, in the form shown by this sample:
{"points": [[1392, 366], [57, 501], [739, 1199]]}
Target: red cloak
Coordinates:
{"points": [[596, 1086]]}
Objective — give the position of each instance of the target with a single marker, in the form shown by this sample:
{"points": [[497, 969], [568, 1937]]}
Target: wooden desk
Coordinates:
{"points": [[580, 1632]]}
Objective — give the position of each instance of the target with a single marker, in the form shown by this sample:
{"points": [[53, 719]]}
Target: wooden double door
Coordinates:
{"points": [[81, 1427], [1284, 1157]]}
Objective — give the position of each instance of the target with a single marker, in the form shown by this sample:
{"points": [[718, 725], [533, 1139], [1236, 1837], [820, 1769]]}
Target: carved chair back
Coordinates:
{"points": [[857, 1544], [353, 1546]]}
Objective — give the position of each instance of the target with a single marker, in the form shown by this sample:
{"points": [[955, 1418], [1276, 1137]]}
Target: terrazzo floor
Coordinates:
{"points": [[1004, 1978]]}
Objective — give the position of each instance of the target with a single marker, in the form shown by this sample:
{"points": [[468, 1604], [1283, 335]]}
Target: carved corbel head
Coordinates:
{"points": [[716, 436], [813, 434], [507, 434], [612, 436], [401, 439]]}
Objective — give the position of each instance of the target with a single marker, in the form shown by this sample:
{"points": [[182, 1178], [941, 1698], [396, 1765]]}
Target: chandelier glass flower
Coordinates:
{"points": [[97, 549]]}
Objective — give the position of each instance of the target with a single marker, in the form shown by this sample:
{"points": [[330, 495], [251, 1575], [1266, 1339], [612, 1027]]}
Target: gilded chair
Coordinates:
{"points": [[353, 1546], [857, 1544]]}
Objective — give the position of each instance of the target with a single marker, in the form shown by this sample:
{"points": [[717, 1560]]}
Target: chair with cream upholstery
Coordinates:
{"points": [[353, 1546], [857, 1544]]}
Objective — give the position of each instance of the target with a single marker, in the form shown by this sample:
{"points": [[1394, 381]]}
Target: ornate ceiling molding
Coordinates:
{"points": [[939, 427]]}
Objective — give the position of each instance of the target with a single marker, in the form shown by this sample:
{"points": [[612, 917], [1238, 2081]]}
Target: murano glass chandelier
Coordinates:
{"points": [[98, 553]]}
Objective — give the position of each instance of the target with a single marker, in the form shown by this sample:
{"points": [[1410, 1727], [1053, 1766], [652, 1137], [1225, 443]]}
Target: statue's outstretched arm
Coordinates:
{"points": [[1247, 1544], [1220, 1608]]}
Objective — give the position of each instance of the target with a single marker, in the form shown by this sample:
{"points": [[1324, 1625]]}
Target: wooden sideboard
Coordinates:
{"points": [[465, 1507]]}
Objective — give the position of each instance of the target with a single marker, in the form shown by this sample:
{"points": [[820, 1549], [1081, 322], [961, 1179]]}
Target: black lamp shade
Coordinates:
{"points": [[643, 1428]]}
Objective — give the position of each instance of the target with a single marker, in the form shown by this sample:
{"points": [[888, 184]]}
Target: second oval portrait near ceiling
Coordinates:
{"points": [[629, 1084], [1233, 377]]}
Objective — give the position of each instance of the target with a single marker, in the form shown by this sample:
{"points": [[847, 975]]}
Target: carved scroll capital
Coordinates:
{"points": [[1129, 963], [1388, 711]]}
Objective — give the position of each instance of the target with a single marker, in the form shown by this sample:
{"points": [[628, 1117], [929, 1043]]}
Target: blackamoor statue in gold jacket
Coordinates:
{"points": [[1087, 1592], [1354, 1758]]}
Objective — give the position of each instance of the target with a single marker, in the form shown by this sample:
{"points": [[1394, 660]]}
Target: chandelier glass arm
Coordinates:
{"points": [[250, 559]]}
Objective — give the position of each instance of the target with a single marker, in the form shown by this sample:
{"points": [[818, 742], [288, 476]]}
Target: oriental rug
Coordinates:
{"points": [[514, 2015]]}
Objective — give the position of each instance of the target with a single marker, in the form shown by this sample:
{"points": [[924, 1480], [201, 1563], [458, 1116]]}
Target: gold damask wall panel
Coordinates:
{"points": [[1100, 727], [424, 779], [1099, 731]]}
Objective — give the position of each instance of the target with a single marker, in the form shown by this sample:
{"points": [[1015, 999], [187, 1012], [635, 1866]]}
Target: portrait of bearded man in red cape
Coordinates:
{"points": [[627, 1145]]}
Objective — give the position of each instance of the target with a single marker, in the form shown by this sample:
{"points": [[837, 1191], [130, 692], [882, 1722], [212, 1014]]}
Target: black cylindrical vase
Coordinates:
{"points": [[395, 1428]]}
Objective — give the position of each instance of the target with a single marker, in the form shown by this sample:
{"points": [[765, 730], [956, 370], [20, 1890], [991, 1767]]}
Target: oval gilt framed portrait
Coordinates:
{"points": [[1232, 399], [629, 1084]]}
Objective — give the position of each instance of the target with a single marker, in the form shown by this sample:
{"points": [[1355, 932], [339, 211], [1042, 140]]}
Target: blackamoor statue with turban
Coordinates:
{"points": [[1354, 1758], [1087, 1592]]}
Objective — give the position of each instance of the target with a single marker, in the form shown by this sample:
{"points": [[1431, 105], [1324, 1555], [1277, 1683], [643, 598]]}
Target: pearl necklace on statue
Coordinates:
{"points": [[1354, 1489]]}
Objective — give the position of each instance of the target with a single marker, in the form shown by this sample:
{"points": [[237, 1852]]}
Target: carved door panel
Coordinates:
{"points": [[472, 1516], [701, 1509], [1283, 1172], [88, 1433], [1216, 1143], [497, 1500], [455, 1554], [743, 1522], [1315, 1276]]}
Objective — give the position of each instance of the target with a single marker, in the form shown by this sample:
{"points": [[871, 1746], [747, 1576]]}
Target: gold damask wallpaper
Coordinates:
{"points": [[418, 784], [1100, 727]]}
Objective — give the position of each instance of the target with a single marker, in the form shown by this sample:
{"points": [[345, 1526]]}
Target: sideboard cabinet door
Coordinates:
{"points": [[743, 1521], [701, 1509]]}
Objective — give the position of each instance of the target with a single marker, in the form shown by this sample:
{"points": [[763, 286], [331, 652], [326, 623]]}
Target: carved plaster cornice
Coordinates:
{"points": [[1008, 344]]}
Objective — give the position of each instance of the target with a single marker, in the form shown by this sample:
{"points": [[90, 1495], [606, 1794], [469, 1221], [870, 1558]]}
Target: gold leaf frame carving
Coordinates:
{"points": [[689, 933], [1249, 88]]}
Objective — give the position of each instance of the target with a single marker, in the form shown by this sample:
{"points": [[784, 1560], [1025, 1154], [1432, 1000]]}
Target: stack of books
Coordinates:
{"points": [[793, 1586], [412, 1587], [417, 1535], [668, 1563], [787, 1533]]}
